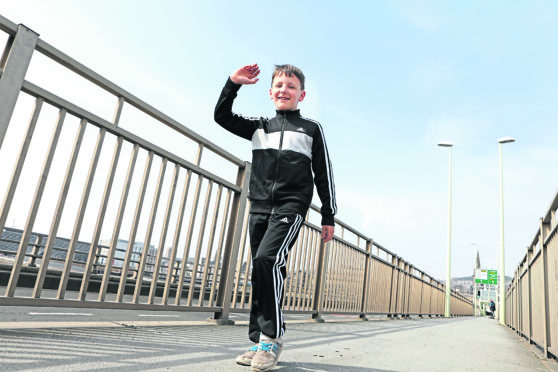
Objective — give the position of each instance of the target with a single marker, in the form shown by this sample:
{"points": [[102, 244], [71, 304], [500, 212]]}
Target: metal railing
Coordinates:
{"points": [[153, 230], [532, 296]]}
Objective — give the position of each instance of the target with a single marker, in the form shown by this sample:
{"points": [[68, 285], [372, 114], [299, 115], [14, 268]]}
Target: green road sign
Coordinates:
{"points": [[483, 276], [492, 277]]}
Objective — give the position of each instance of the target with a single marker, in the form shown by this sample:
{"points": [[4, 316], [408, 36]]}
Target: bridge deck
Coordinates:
{"points": [[460, 344]]}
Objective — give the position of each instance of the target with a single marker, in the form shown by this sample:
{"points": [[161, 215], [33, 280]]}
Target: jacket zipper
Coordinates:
{"points": [[277, 165]]}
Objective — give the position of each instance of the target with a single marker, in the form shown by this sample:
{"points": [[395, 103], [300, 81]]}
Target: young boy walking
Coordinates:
{"points": [[286, 150]]}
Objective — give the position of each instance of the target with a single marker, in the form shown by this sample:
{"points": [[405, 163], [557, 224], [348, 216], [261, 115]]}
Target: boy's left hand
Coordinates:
{"points": [[327, 233]]}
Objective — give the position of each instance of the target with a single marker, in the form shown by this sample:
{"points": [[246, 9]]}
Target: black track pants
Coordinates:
{"points": [[271, 238]]}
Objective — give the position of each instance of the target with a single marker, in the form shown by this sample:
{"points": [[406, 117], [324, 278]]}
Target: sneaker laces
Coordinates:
{"points": [[254, 348], [265, 346]]}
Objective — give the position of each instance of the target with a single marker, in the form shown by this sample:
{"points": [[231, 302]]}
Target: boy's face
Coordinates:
{"points": [[285, 92]]}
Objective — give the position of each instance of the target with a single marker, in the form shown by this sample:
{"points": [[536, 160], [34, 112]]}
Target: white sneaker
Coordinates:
{"points": [[268, 353], [246, 358]]}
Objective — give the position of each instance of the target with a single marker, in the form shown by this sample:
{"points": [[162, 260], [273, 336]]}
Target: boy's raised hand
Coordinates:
{"points": [[246, 75]]}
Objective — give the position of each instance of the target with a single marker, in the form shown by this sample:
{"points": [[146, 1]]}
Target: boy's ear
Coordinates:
{"points": [[302, 95], [270, 94]]}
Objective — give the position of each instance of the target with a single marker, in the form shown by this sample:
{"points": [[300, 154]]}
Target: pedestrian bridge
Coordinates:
{"points": [[100, 212], [339, 344]]}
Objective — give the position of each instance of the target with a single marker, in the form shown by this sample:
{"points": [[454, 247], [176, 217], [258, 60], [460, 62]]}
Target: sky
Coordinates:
{"points": [[388, 81]]}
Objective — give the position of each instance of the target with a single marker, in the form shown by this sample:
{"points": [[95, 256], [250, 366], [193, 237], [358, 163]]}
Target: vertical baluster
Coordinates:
{"points": [[58, 211], [134, 230], [201, 236], [118, 225], [163, 238], [216, 270], [176, 239], [92, 256], [81, 214], [205, 276], [186, 253]]}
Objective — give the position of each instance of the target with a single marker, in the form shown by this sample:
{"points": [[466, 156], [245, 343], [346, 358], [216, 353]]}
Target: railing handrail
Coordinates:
{"points": [[376, 244], [547, 220], [59, 102], [7, 26]]}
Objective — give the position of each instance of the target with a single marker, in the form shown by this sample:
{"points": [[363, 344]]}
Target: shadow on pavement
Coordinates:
{"points": [[305, 367]]}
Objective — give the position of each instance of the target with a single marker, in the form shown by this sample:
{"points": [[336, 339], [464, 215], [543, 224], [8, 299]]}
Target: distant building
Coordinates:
{"points": [[135, 258], [11, 238]]}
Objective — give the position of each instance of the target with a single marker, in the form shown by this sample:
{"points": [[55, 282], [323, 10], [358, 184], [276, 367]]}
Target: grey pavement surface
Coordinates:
{"points": [[459, 344]]}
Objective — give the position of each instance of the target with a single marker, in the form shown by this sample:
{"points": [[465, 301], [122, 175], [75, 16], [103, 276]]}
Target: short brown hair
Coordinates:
{"points": [[289, 70]]}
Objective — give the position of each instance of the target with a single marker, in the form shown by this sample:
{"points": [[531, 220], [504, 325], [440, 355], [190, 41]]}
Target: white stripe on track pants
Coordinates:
{"points": [[271, 238]]}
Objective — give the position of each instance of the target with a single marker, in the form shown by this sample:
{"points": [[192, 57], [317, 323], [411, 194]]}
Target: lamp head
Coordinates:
{"points": [[506, 140], [445, 144]]}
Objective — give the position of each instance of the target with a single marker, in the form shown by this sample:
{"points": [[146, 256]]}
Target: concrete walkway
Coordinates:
{"points": [[461, 344]]}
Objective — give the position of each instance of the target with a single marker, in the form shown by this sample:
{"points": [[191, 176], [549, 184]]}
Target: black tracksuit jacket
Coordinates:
{"points": [[285, 151]]}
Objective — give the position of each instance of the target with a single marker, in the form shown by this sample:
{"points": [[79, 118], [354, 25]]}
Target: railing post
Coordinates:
{"points": [[406, 289], [14, 64], [409, 287], [529, 320], [34, 253], [546, 312], [508, 298], [397, 285], [519, 296], [367, 272], [432, 296], [403, 285], [440, 298], [421, 293], [392, 305], [513, 310], [232, 247], [323, 256]]}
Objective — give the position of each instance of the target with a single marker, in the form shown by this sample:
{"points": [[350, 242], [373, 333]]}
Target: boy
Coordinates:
{"points": [[285, 151]]}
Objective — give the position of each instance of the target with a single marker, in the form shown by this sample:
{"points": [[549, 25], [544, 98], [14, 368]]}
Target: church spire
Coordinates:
{"points": [[477, 262]]}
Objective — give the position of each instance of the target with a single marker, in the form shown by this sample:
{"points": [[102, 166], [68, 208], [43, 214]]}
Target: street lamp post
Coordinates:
{"points": [[447, 312], [502, 279]]}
